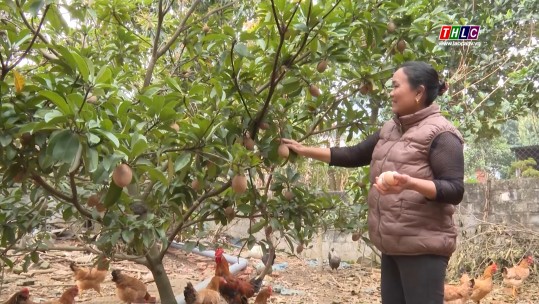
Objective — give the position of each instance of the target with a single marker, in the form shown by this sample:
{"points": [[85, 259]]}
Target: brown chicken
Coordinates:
{"points": [[208, 295], [130, 290], [90, 278], [516, 275], [234, 287], [483, 286], [68, 297], [263, 296], [20, 297], [459, 294]]}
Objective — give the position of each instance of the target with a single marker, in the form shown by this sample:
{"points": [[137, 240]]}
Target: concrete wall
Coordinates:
{"points": [[508, 202]]}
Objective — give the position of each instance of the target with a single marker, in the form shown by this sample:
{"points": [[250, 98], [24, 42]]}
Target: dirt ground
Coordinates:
{"points": [[299, 281]]}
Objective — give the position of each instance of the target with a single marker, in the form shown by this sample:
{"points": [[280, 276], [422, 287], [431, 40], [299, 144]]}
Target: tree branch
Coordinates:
{"points": [[160, 16], [59, 195], [182, 27], [31, 28], [75, 199], [235, 80], [195, 205], [36, 33], [334, 104]]}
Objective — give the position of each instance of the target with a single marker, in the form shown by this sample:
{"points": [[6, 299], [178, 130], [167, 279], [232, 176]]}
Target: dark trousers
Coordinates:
{"points": [[413, 279]]}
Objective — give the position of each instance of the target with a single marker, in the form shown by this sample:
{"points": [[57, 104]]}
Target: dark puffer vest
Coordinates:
{"points": [[408, 223]]}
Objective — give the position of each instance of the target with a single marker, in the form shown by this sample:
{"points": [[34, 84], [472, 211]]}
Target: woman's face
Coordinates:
{"points": [[403, 97]]}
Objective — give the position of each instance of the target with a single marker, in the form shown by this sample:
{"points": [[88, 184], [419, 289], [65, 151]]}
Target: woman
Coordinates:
{"points": [[410, 222]]}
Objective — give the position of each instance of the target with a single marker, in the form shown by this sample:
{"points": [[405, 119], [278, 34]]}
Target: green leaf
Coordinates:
{"points": [[139, 146], [113, 195], [34, 256], [58, 100], [34, 6], [108, 135], [258, 226], [103, 76], [241, 49], [128, 235], [182, 161], [154, 173], [82, 66], [63, 146], [92, 159]]}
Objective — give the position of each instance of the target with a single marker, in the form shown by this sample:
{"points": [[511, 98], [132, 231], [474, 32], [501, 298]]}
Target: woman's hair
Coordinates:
{"points": [[421, 73]]}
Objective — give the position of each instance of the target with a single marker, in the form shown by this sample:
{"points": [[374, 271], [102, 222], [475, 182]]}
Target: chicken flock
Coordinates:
{"points": [[476, 289], [225, 288]]}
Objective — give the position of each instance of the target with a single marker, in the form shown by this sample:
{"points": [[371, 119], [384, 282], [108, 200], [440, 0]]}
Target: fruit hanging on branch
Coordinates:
{"points": [[239, 183], [283, 151], [322, 66], [314, 90], [122, 175]]}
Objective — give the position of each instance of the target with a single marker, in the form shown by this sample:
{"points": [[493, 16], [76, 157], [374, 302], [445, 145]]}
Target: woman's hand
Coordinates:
{"points": [[402, 182], [294, 145]]}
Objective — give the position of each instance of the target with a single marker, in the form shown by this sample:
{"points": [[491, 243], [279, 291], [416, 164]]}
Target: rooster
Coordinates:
{"points": [[334, 259], [208, 295], [20, 297], [516, 275], [234, 285], [483, 286], [459, 294]]}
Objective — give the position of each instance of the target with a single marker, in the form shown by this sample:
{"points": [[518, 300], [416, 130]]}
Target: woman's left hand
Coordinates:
{"points": [[402, 182]]}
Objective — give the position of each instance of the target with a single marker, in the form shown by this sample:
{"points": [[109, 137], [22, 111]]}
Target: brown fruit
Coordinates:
{"points": [[175, 126], [19, 177], [268, 230], [288, 195], [283, 151], [322, 66], [122, 175], [239, 184], [26, 139], [356, 236], [92, 99], [249, 143], [314, 90], [230, 213], [206, 28], [299, 249], [365, 88], [93, 200], [391, 27], [195, 185], [100, 207], [401, 45], [264, 126]]}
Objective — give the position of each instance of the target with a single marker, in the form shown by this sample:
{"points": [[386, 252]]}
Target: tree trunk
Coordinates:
{"points": [[166, 294]]}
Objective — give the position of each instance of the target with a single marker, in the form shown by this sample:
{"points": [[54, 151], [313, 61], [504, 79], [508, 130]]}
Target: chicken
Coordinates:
{"points": [[90, 278], [208, 295], [334, 259], [516, 275], [483, 286], [20, 297], [263, 295], [130, 290], [233, 284], [459, 294], [68, 297]]}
